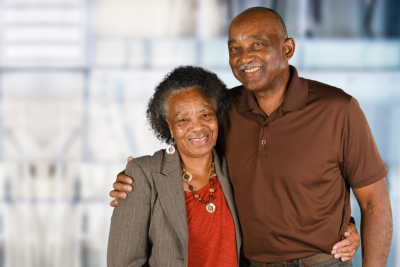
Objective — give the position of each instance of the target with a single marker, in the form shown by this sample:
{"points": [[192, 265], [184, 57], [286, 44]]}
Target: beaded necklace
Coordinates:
{"points": [[187, 177]]}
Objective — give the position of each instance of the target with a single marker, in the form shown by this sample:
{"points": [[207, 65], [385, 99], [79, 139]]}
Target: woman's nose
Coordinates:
{"points": [[196, 125]]}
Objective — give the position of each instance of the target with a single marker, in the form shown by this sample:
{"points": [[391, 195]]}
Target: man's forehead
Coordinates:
{"points": [[250, 17], [253, 28], [253, 36]]}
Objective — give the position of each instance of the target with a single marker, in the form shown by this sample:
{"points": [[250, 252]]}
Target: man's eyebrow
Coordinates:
{"points": [[231, 41], [257, 36]]}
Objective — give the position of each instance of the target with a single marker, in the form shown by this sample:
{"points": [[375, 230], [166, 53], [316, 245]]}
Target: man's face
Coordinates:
{"points": [[258, 51]]}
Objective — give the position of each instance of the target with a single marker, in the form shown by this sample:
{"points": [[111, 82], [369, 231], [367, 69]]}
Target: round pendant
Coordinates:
{"points": [[187, 177], [210, 207]]}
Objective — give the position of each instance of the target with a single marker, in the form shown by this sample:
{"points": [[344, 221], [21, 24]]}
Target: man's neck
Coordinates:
{"points": [[270, 101]]}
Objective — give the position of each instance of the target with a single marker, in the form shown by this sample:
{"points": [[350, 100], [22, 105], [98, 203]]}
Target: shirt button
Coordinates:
{"points": [[263, 142]]}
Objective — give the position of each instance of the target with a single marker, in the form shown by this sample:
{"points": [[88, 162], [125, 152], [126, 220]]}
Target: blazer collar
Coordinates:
{"points": [[170, 163], [171, 194]]}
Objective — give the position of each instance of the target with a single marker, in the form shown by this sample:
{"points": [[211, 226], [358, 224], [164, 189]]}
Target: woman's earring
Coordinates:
{"points": [[170, 149]]}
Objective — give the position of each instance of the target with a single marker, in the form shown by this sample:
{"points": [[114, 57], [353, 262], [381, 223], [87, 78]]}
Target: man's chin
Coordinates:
{"points": [[252, 87]]}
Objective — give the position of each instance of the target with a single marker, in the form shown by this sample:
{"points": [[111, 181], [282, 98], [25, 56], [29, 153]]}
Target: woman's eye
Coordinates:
{"points": [[180, 121]]}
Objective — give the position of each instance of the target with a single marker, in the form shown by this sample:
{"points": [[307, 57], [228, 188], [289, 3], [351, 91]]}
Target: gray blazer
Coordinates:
{"points": [[149, 228]]}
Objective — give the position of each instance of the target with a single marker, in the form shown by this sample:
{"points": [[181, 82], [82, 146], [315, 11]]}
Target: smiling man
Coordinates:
{"points": [[294, 148]]}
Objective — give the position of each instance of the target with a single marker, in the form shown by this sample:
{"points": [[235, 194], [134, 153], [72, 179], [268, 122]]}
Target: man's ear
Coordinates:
{"points": [[288, 48], [170, 128]]}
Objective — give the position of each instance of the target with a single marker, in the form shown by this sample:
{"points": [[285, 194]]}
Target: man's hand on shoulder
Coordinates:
{"points": [[346, 249], [122, 185]]}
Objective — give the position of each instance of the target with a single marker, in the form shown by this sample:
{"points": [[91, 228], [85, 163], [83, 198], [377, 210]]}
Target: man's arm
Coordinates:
{"points": [[375, 211]]}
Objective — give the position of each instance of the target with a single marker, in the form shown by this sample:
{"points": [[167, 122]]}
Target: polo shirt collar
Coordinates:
{"points": [[295, 98]]}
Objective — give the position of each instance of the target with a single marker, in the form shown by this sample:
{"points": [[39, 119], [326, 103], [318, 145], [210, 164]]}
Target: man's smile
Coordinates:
{"points": [[252, 70]]}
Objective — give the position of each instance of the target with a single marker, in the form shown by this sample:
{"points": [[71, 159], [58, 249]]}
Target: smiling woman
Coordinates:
{"points": [[192, 122], [181, 211]]}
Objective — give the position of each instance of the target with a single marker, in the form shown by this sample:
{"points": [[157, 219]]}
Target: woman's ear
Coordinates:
{"points": [[170, 128]]}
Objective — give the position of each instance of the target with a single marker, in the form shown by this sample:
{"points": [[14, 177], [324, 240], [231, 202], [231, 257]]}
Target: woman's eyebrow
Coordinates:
{"points": [[206, 108]]}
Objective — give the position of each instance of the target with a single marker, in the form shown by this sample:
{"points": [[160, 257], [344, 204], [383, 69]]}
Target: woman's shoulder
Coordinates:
{"points": [[147, 164]]}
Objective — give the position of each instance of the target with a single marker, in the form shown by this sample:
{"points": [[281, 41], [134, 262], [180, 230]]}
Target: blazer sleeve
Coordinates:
{"points": [[128, 242]]}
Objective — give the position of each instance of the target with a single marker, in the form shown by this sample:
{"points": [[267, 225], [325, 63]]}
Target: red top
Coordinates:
{"points": [[212, 239]]}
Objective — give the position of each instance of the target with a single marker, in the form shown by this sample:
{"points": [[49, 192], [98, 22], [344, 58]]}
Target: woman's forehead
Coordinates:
{"points": [[186, 100]]}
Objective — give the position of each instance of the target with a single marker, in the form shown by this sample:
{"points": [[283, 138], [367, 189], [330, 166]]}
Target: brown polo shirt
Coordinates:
{"points": [[292, 171]]}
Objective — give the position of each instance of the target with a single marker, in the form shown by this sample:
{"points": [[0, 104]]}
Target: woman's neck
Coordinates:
{"points": [[198, 167]]}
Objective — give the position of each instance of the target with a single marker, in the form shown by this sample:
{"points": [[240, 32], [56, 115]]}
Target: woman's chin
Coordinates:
{"points": [[197, 151]]}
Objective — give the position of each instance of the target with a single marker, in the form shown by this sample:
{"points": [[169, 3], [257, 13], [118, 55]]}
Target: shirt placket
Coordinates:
{"points": [[263, 143]]}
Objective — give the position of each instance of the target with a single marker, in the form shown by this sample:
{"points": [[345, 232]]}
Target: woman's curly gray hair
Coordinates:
{"points": [[184, 77]]}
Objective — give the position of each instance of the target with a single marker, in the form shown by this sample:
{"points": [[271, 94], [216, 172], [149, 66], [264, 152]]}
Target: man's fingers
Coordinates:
{"points": [[124, 179], [342, 244], [346, 249], [345, 256], [114, 203], [351, 228], [130, 158], [118, 194]]}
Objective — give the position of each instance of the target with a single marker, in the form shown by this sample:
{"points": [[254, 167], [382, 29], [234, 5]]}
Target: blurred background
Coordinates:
{"points": [[75, 77]]}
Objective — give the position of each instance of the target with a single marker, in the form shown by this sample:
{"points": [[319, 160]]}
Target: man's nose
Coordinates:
{"points": [[247, 56]]}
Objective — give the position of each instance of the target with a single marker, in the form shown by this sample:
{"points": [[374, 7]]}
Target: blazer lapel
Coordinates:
{"points": [[221, 168], [172, 197]]}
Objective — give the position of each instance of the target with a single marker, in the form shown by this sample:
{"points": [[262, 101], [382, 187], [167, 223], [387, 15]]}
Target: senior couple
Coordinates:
{"points": [[293, 148]]}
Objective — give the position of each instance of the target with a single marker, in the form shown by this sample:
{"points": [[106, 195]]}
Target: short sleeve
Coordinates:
{"points": [[362, 163]]}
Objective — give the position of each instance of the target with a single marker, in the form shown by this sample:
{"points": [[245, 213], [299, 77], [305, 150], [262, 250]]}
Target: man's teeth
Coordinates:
{"points": [[199, 139], [252, 70]]}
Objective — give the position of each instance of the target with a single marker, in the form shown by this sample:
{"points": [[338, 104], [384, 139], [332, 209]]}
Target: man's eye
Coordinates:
{"points": [[205, 115]]}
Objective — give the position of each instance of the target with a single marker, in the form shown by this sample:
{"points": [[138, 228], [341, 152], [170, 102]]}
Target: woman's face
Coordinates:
{"points": [[192, 121]]}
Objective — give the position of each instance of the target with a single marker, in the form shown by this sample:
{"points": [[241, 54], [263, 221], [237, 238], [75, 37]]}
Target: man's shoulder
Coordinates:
{"points": [[236, 91], [329, 93]]}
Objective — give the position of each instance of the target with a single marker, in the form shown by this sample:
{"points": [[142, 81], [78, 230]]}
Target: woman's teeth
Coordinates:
{"points": [[199, 139]]}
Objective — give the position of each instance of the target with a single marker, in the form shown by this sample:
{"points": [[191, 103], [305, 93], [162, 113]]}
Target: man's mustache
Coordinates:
{"points": [[249, 66]]}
